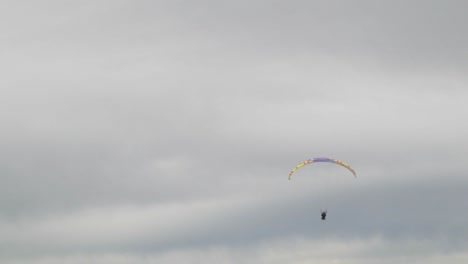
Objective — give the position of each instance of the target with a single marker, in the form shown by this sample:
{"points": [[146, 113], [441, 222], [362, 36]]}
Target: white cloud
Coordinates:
{"points": [[296, 251]]}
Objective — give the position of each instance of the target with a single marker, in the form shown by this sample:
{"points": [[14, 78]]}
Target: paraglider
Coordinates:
{"points": [[323, 214]]}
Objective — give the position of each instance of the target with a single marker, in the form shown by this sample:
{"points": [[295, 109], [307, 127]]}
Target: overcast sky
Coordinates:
{"points": [[164, 131]]}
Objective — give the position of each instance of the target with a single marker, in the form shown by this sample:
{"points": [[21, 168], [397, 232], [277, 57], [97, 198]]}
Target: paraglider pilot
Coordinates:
{"points": [[324, 214]]}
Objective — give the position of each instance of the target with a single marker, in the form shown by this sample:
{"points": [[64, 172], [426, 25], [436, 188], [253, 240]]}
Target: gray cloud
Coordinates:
{"points": [[156, 131]]}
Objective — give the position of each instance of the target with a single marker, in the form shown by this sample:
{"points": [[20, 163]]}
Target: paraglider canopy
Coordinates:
{"points": [[322, 159]]}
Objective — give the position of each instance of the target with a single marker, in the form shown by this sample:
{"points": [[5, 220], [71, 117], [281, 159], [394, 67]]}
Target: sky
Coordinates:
{"points": [[164, 131]]}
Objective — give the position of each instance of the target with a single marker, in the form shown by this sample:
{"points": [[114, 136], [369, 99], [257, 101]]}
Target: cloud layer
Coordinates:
{"points": [[163, 132]]}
